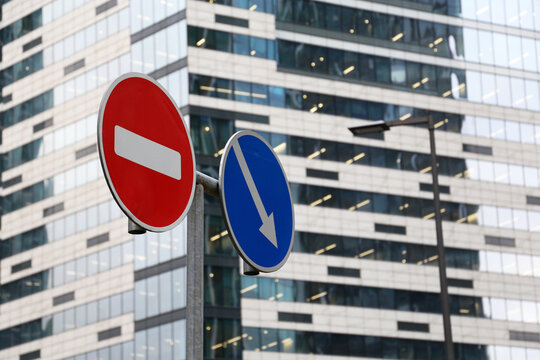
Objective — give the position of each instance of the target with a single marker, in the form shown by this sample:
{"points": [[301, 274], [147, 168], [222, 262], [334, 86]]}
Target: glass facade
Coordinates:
{"points": [[407, 75], [165, 342], [65, 273], [319, 40], [55, 185], [81, 217], [231, 339], [53, 141], [425, 37], [299, 72], [256, 93], [21, 27], [69, 319], [210, 135], [27, 109]]}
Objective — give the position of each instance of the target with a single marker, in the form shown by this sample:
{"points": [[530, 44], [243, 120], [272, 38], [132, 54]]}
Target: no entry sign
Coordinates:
{"points": [[146, 152]]}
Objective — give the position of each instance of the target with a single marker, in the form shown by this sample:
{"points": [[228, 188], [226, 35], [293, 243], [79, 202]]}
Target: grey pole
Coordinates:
{"points": [[445, 301], [195, 281], [209, 183]]}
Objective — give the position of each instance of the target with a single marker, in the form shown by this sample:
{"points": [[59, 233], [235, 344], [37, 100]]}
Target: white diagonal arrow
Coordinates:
{"points": [[268, 228]]}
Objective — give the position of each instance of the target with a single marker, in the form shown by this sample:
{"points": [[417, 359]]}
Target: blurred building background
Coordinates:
{"points": [[362, 280]]}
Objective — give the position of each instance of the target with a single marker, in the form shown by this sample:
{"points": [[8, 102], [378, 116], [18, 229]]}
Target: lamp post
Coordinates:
{"points": [[379, 126]]}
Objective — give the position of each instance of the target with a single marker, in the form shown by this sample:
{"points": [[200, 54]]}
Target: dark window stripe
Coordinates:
{"points": [[478, 149], [85, 151], [323, 174], [341, 271], [154, 28], [73, 67], [106, 6], [33, 43], [61, 299], [533, 200], [410, 326], [229, 20], [295, 317], [110, 333], [21, 266], [31, 355], [53, 209], [160, 319], [168, 69], [42, 125], [160, 268], [13, 181], [460, 283], [96, 240], [524, 336], [500, 241], [392, 229], [7, 98], [428, 187]]}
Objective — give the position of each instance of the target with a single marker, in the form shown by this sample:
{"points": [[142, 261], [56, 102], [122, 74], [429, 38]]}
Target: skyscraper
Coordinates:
{"points": [[362, 280]]}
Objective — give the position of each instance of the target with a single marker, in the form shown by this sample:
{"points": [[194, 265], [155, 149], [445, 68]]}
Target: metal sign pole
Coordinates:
{"points": [[445, 301], [195, 281]]}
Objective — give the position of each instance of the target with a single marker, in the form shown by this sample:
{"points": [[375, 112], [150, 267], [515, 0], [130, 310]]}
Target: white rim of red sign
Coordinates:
{"points": [[116, 197]]}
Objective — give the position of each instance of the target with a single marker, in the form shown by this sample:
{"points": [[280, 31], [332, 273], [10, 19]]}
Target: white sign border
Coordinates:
{"points": [[103, 163]]}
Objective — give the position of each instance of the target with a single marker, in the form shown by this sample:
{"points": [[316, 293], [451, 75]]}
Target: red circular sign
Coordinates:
{"points": [[146, 152]]}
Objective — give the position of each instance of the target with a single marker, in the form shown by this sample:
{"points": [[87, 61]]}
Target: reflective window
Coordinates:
{"points": [[165, 292], [413, 34], [221, 333], [53, 186], [153, 248], [210, 136], [425, 78], [86, 37], [367, 110], [378, 298], [21, 69], [160, 294], [61, 274], [457, 212], [222, 286], [229, 42], [58, 8], [165, 342], [179, 288], [252, 5], [63, 321], [513, 13], [27, 109], [21, 27], [445, 82], [145, 13]]}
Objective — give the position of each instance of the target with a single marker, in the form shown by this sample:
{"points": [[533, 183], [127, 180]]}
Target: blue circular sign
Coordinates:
{"points": [[256, 201]]}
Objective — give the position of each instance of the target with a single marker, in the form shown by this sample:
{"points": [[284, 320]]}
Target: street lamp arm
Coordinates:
{"points": [[381, 125], [409, 121]]}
